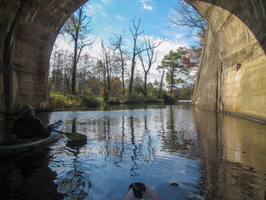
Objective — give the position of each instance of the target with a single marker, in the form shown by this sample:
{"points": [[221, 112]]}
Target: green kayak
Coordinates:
{"points": [[14, 146]]}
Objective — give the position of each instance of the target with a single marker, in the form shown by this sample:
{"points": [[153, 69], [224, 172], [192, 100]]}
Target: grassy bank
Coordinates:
{"points": [[61, 101]]}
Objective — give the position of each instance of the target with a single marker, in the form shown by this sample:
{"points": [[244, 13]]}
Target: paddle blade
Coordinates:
{"points": [[75, 136]]}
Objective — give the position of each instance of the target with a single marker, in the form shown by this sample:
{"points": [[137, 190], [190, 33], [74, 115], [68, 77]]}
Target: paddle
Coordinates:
{"points": [[71, 136]]}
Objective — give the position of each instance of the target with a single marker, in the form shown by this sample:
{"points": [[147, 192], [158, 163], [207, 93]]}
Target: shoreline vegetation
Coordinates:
{"points": [[63, 102]]}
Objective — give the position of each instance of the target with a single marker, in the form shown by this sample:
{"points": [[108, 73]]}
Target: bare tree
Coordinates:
{"points": [[149, 47], [186, 15], [60, 68], [106, 71], [78, 27], [117, 43], [135, 34]]}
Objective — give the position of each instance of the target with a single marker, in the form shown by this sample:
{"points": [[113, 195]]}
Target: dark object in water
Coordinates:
{"points": [[140, 191], [174, 184]]}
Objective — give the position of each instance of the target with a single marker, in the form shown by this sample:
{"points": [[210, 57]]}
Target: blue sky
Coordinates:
{"points": [[115, 16]]}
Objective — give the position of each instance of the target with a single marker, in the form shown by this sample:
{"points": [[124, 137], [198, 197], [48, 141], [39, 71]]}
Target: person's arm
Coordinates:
{"points": [[14, 128], [42, 130]]}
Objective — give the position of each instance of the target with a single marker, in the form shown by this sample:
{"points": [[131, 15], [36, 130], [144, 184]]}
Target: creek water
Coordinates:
{"points": [[180, 151]]}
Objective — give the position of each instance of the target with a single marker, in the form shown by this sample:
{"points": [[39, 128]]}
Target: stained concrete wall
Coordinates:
{"points": [[232, 76], [28, 29]]}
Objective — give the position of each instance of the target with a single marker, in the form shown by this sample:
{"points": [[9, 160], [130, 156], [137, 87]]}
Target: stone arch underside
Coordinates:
{"points": [[28, 29], [234, 53]]}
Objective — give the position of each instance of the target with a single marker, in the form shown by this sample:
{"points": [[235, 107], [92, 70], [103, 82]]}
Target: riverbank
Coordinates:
{"points": [[65, 102]]}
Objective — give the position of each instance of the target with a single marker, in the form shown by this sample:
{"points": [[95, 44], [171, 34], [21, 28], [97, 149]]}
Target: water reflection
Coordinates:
{"points": [[27, 176], [133, 145], [73, 178], [180, 151], [232, 155], [75, 182], [180, 136]]}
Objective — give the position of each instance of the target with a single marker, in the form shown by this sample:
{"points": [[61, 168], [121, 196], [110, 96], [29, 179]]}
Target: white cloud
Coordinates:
{"points": [[107, 2], [96, 48], [96, 10], [61, 43], [147, 7], [93, 9], [163, 49], [144, 1], [177, 36], [119, 17], [168, 45], [171, 33]]}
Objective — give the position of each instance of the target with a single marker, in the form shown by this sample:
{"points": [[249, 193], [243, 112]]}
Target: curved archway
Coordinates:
{"points": [[251, 12], [28, 31], [29, 28]]}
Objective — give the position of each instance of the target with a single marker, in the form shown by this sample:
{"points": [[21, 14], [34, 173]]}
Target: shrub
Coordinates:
{"points": [[65, 101]]}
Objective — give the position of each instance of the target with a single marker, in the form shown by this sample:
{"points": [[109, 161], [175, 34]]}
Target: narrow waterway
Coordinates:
{"points": [[179, 151]]}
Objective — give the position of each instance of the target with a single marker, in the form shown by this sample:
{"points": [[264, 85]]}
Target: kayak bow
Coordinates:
{"points": [[140, 191]]}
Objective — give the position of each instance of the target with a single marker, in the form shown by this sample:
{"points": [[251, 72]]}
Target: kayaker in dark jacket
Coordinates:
{"points": [[28, 126]]}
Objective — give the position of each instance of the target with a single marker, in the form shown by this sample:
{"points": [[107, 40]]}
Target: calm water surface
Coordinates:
{"points": [[180, 151]]}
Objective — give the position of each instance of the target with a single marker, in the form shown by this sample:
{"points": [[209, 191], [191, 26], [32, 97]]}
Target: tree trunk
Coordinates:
{"points": [[74, 68], [132, 74], [145, 83], [161, 85]]}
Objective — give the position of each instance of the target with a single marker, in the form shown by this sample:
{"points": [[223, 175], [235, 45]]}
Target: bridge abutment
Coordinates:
{"points": [[232, 76], [28, 30]]}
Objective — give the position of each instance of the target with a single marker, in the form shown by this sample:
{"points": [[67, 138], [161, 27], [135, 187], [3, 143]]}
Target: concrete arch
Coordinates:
{"points": [[232, 77], [28, 29], [251, 12]]}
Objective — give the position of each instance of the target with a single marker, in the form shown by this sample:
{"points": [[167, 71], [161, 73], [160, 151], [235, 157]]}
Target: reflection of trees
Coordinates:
{"points": [[139, 154], [119, 138], [122, 144], [176, 138], [225, 174], [74, 182], [28, 177], [151, 150], [106, 134], [116, 137], [134, 157], [74, 126], [207, 128]]}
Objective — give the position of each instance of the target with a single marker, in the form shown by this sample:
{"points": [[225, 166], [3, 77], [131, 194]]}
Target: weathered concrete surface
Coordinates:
{"points": [[236, 38], [28, 29], [232, 76]]}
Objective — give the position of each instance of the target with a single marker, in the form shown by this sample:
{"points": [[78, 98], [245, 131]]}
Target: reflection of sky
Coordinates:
{"points": [[179, 151], [126, 146]]}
